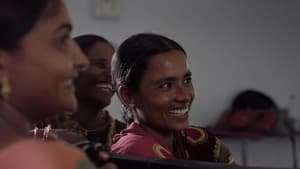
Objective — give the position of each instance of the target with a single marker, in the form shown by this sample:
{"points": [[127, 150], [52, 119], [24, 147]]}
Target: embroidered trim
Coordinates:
{"points": [[202, 136], [160, 151]]}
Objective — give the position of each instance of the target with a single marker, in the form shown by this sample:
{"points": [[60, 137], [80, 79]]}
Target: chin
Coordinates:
{"points": [[179, 127], [69, 105], [102, 101], [184, 124]]}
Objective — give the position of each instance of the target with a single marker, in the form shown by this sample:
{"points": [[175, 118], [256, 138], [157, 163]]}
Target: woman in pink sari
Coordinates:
{"points": [[154, 83]]}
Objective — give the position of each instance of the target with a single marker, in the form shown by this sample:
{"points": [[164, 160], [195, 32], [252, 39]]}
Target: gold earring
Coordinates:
{"points": [[131, 105], [5, 88]]}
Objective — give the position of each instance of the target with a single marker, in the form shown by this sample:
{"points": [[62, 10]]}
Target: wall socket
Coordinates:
{"points": [[108, 9]]}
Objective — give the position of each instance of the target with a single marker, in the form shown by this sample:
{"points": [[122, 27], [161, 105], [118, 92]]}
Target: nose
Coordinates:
{"points": [[107, 70], [106, 77], [184, 94], [81, 61]]}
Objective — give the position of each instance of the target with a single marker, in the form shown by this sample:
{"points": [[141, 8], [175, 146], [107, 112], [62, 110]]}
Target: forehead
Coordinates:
{"points": [[171, 63], [101, 50], [53, 18]]}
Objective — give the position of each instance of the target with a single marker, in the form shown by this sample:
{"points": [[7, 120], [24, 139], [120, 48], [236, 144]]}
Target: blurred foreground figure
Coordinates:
{"points": [[94, 91], [38, 63]]}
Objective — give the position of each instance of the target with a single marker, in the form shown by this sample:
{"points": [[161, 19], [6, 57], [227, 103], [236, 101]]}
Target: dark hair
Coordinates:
{"points": [[86, 42], [17, 18], [134, 54], [253, 99]]}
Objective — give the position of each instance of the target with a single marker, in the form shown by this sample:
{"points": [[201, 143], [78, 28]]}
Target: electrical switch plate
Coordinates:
{"points": [[106, 8]]}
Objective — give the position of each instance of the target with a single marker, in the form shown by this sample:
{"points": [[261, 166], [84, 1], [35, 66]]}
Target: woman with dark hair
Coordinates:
{"points": [[154, 83], [38, 63], [94, 91]]}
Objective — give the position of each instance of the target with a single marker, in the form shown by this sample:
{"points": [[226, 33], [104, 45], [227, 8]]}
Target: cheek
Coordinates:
{"points": [[157, 105], [90, 76], [94, 70], [192, 93], [83, 81], [59, 78]]}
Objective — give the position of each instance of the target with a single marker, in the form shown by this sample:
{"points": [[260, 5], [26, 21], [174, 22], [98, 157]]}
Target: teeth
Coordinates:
{"points": [[105, 86], [179, 112]]}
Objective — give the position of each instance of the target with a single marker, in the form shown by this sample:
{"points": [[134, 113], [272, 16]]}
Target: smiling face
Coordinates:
{"points": [[42, 70], [95, 85], [165, 93]]}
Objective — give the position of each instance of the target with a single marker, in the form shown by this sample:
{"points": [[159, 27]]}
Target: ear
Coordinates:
{"points": [[125, 95]]}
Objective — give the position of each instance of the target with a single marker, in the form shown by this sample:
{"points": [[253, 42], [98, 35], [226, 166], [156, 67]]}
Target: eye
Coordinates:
{"points": [[63, 41], [166, 85], [188, 80], [100, 64]]}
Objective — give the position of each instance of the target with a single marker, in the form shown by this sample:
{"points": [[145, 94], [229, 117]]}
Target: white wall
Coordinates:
{"points": [[232, 45]]}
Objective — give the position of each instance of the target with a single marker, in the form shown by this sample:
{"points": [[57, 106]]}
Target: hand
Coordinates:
{"points": [[104, 156], [108, 166]]}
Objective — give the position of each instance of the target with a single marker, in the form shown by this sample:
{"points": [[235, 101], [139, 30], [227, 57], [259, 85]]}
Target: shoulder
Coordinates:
{"points": [[201, 144], [35, 154], [134, 142], [198, 135], [125, 142], [204, 145], [141, 146], [67, 156]]}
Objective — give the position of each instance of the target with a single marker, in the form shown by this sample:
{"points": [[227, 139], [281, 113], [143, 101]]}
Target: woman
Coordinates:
{"points": [[153, 81], [38, 63], [94, 92]]}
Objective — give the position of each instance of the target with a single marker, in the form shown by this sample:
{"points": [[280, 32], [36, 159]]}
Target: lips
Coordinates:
{"points": [[105, 86], [179, 111], [69, 83]]}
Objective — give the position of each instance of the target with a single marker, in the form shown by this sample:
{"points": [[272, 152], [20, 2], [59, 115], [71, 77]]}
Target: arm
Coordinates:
{"points": [[33, 154]]}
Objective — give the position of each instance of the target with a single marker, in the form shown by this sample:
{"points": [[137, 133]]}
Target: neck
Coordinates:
{"points": [[90, 117], [164, 137], [12, 123]]}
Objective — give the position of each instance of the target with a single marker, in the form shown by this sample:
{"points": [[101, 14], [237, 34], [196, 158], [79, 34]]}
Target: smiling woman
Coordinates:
{"points": [[154, 82], [94, 91], [38, 62]]}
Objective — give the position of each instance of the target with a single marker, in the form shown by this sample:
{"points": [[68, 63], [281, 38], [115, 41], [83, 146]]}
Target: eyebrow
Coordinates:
{"points": [[99, 60], [67, 26], [188, 74], [170, 79]]}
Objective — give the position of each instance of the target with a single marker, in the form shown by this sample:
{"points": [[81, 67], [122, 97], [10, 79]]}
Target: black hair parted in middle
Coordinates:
{"points": [[17, 17], [134, 55], [87, 42]]}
